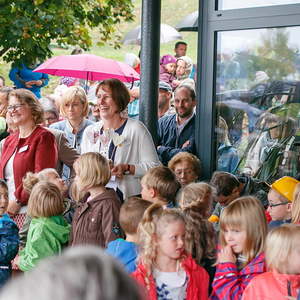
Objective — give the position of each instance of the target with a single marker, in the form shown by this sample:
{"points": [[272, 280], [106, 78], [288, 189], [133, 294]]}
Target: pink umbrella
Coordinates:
{"points": [[89, 67]]}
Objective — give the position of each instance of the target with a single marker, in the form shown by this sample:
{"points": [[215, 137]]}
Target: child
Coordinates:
{"points": [[159, 185], [167, 69], [280, 199], [296, 205], [52, 176], [243, 229], [196, 202], [9, 237], [165, 269], [96, 220], [131, 214], [282, 280], [48, 230], [227, 188]]}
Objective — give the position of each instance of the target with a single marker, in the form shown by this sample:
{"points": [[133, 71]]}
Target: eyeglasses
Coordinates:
{"points": [[15, 107], [281, 203]]}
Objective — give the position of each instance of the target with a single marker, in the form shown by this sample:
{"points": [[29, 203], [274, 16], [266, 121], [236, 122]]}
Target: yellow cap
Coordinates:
{"points": [[285, 186], [213, 219]]}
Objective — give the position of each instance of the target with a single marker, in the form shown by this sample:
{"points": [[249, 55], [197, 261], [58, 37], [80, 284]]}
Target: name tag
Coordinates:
{"points": [[24, 148]]}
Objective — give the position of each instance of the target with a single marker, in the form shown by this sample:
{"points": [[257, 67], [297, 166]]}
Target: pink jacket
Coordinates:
{"points": [[273, 286], [197, 288]]}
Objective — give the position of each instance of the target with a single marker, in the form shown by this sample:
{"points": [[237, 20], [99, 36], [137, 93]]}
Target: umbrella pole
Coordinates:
{"points": [[86, 82]]}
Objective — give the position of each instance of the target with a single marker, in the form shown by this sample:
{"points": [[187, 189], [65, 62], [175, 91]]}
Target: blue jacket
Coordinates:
{"points": [[170, 142], [20, 75], [9, 246], [125, 252], [228, 158], [73, 139]]}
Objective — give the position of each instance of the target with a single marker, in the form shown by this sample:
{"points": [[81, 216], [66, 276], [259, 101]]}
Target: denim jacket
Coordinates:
{"points": [[73, 139]]}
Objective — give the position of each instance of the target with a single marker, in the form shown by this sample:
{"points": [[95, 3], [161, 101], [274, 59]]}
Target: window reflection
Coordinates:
{"points": [[234, 4], [258, 102]]}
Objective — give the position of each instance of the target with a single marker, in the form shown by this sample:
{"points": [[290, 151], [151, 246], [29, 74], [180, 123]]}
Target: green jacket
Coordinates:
{"points": [[46, 237]]}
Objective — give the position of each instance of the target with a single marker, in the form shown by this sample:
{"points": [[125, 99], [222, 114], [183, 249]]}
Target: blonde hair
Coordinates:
{"points": [[31, 179], [92, 169], [196, 201], [71, 94], [26, 96], [280, 243], [191, 159], [164, 181], [245, 213], [45, 200], [296, 205], [152, 226]]}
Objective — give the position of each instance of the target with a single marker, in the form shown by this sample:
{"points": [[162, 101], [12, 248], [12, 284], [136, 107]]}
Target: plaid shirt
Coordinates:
{"points": [[229, 283]]}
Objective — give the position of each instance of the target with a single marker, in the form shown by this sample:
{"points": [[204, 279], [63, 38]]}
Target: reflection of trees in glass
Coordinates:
{"points": [[275, 55]]}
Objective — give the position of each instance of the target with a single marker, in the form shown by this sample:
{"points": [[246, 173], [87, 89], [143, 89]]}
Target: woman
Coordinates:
{"points": [[125, 142], [184, 67], [186, 167], [30, 149], [74, 107]]}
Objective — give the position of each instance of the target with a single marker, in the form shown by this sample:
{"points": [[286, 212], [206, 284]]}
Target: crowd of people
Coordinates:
{"points": [[77, 173]]}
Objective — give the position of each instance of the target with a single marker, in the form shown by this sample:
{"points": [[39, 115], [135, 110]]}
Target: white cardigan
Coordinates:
{"points": [[137, 149]]}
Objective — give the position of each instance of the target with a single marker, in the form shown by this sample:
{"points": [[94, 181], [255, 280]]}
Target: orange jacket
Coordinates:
{"points": [[272, 286]]}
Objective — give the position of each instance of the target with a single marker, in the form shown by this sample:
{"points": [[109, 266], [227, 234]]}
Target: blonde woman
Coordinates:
{"points": [[74, 108], [243, 229], [30, 149]]}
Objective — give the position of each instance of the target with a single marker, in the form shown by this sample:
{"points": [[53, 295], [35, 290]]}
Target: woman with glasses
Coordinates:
{"points": [[30, 149], [74, 108]]}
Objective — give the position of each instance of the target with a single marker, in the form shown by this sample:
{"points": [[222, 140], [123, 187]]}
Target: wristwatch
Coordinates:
{"points": [[127, 171]]}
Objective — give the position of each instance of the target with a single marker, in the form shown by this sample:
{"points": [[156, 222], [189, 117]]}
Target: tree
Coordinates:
{"points": [[28, 27]]}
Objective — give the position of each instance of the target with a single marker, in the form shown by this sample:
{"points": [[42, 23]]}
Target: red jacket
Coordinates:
{"points": [[197, 288], [272, 286], [229, 283], [33, 154]]}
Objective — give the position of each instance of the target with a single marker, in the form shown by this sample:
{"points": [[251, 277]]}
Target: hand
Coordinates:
{"points": [[226, 255], [185, 144], [119, 170], [13, 208]]}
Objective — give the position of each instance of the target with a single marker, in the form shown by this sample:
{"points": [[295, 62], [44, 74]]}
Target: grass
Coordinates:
{"points": [[172, 11]]}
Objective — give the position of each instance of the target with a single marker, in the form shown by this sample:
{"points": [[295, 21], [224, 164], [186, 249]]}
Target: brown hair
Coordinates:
{"points": [[5, 90], [45, 200], [224, 183], [29, 98], [164, 181], [245, 213], [196, 201], [131, 214], [92, 169], [193, 160], [119, 92], [71, 94]]}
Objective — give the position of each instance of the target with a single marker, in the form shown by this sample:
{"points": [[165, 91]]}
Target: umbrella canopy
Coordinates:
{"points": [[167, 34], [189, 22], [89, 67]]}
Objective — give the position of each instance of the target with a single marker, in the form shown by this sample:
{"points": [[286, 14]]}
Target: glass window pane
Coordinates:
{"points": [[258, 102], [234, 4]]}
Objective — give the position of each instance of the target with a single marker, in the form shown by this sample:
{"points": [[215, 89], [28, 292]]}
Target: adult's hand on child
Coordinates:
{"points": [[119, 170], [185, 144], [226, 255], [13, 208]]}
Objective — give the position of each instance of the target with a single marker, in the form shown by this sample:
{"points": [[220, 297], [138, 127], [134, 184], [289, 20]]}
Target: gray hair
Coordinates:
{"points": [[80, 273]]}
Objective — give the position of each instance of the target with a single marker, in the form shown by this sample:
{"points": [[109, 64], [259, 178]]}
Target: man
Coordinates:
{"points": [[176, 133], [180, 49], [164, 100]]}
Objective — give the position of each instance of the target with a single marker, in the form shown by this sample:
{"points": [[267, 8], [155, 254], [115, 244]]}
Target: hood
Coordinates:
{"points": [[57, 225]]}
